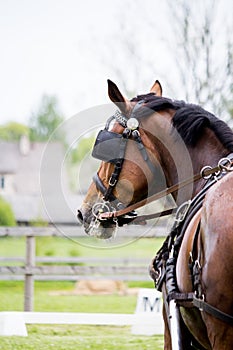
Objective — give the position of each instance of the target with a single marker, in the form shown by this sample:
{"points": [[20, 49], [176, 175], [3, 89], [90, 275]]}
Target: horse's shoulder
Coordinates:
{"points": [[219, 197], [217, 213]]}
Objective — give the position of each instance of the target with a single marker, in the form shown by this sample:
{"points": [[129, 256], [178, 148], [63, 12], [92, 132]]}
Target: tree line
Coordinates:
{"points": [[41, 124]]}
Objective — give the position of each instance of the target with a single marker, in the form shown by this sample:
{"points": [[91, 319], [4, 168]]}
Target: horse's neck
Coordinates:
{"points": [[190, 161], [179, 161], [208, 151]]}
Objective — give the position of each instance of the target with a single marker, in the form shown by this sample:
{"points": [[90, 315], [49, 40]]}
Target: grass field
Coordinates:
{"points": [[12, 294], [64, 247], [74, 337], [80, 338]]}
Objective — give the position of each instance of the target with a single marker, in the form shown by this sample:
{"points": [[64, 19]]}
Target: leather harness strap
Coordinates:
{"points": [[190, 300], [204, 306], [196, 298], [205, 172]]}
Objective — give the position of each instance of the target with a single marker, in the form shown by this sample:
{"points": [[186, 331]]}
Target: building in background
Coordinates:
{"points": [[20, 182]]}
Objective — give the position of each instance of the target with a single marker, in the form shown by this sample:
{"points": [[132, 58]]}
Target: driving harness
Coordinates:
{"points": [[163, 267], [110, 147]]}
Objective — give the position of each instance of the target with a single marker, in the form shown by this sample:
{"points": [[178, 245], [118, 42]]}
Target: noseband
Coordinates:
{"points": [[110, 147]]}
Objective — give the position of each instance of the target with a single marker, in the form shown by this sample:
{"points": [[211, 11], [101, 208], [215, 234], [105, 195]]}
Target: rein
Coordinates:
{"points": [[206, 172]]}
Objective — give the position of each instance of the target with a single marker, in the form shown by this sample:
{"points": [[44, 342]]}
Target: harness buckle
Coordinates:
{"points": [[112, 182], [182, 211]]}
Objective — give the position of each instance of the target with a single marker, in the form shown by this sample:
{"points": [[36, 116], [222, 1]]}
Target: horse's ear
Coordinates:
{"points": [[116, 97], [157, 88]]}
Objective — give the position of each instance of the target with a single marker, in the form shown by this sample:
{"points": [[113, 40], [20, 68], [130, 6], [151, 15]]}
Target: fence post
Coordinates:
{"points": [[29, 278]]}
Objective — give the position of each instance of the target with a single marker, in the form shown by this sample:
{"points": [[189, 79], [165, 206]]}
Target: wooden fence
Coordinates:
{"points": [[72, 268]]}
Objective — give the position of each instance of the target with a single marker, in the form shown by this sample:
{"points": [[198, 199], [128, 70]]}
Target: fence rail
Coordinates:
{"points": [[77, 231], [77, 260], [76, 272], [57, 268]]}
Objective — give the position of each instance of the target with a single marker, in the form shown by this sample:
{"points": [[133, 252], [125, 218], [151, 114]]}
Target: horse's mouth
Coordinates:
{"points": [[103, 228], [100, 229]]}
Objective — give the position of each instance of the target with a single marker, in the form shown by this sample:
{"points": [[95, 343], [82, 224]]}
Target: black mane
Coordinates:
{"points": [[190, 120]]}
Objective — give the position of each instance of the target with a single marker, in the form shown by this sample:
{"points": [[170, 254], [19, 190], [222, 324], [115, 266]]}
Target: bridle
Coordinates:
{"points": [[110, 147]]}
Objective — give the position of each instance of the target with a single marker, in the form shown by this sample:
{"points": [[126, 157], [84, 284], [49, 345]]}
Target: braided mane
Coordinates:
{"points": [[190, 120]]}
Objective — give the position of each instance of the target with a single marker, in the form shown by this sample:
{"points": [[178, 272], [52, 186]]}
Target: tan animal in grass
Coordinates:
{"points": [[88, 287]]}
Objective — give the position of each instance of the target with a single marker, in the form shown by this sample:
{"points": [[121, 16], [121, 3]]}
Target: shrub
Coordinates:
{"points": [[38, 222], [74, 252], [7, 217]]}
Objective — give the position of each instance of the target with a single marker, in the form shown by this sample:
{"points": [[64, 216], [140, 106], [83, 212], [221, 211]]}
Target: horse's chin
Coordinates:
{"points": [[101, 232]]}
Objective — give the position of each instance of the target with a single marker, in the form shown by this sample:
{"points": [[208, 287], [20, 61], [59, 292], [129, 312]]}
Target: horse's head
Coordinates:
{"points": [[130, 167]]}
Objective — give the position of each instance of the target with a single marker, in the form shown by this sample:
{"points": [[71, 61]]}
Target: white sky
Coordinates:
{"points": [[41, 52], [48, 46]]}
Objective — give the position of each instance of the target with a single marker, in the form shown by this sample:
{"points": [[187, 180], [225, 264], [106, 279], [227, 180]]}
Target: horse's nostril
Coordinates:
{"points": [[80, 216]]}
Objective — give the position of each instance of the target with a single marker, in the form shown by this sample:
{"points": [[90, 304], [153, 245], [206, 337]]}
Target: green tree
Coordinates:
{"points": [[7, 217], [12, 131], [45, 121], [83, 148]]}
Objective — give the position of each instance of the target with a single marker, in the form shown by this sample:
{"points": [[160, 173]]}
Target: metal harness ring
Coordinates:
{"points": [[99, 208], [225, 164], [203, 170]]}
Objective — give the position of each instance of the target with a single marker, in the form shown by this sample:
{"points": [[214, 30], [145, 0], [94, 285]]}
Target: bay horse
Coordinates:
{"points": [[151, 147]]}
